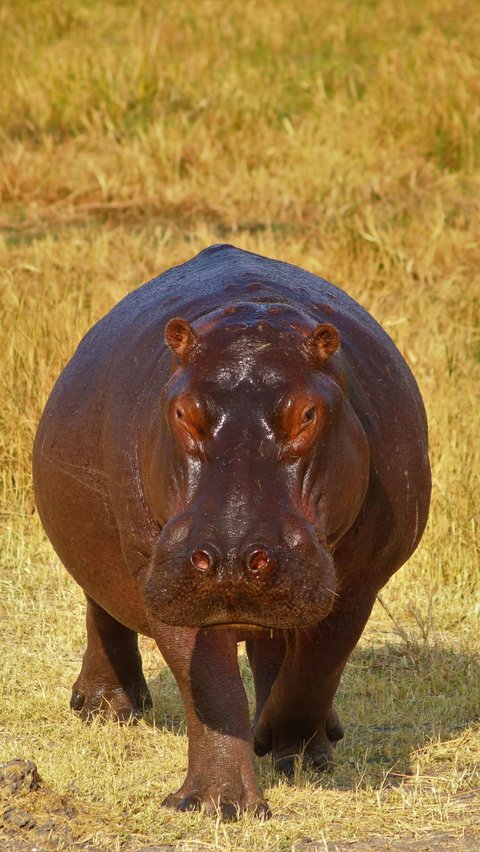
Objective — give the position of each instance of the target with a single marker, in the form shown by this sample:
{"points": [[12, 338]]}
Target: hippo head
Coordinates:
{"points": [[268, 468]]}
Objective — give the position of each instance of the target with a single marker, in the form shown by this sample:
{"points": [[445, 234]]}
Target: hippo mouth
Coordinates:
{"points": [[242, 626], [234, 625], [245, 631], [234, 606]]}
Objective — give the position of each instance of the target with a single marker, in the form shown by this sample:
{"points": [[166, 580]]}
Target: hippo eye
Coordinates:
{"points": [[308, 416], [179, 413]]}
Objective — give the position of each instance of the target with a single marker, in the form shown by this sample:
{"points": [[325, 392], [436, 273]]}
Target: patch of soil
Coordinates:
{"points": [[34, 818]]}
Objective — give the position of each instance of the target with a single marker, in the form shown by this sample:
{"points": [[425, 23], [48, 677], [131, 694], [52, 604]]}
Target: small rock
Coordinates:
{"points": [[19, 776], [20, 819]]}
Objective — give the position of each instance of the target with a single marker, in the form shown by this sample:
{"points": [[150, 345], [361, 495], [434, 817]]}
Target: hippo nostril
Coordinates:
{"points": [[201, 560], [259, 562]]}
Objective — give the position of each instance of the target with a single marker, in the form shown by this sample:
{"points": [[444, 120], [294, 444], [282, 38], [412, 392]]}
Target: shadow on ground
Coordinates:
{"points": [[394, 699]]}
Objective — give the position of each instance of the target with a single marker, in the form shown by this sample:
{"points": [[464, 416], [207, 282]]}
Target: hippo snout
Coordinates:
{"points": [[198, 580]]}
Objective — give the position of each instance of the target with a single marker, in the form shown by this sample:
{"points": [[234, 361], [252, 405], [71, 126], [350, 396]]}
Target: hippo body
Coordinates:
{"points": [[236, 451]]}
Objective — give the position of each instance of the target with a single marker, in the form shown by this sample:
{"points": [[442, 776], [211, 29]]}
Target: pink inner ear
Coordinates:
{"points": [[322, 343], [327, 339], [180, 336]]}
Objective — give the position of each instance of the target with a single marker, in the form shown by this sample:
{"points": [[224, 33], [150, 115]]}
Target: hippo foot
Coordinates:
{"points": [[291, 742], [115, 703], [215, 803]]}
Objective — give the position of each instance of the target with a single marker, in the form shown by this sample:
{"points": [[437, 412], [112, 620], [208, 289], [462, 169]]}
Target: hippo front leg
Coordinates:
{"points": [[111, 682], [298, 717], [221, 776]]}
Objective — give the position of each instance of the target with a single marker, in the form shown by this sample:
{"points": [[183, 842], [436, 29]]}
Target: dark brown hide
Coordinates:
{"points": [[237, 450]]}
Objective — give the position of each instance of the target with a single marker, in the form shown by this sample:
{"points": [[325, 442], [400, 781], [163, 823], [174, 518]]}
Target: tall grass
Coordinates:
{"points": [[343, 137]]}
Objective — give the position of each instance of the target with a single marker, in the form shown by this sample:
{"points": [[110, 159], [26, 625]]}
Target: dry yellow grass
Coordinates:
{"points": [[345, 138]]}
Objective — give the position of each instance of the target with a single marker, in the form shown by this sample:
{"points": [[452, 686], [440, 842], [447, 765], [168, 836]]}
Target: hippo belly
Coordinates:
{"points": [[237, 450]]}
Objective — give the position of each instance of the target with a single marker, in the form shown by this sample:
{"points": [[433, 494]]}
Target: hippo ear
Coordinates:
{"points": [[320, 345], [181, 337]]}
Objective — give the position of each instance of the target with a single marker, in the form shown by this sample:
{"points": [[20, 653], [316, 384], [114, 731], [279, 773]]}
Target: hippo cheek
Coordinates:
{"points": [[197, 587]]}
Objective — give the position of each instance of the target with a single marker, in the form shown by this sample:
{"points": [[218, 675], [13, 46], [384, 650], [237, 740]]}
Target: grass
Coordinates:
{"points": [[344, 138]]}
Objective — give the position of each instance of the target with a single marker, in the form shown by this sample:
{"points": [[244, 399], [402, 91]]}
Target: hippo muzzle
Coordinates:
{"points": [[265, 580]]}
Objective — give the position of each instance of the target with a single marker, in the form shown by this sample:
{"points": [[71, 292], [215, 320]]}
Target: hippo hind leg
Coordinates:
{"points": [[111, 682], [298, 719], [266, 657]]}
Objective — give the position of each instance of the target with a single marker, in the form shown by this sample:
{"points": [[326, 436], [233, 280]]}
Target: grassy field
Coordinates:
{"points": [[344, 137]]}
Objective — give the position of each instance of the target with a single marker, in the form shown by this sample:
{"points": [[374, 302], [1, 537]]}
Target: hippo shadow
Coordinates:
{"points": [[394, 698]]}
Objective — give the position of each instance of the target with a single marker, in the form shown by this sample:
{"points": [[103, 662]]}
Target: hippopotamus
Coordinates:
{"points": [[236, 452]]}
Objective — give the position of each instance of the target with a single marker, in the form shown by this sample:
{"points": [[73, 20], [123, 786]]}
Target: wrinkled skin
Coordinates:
{"points": [[236, 451]]}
